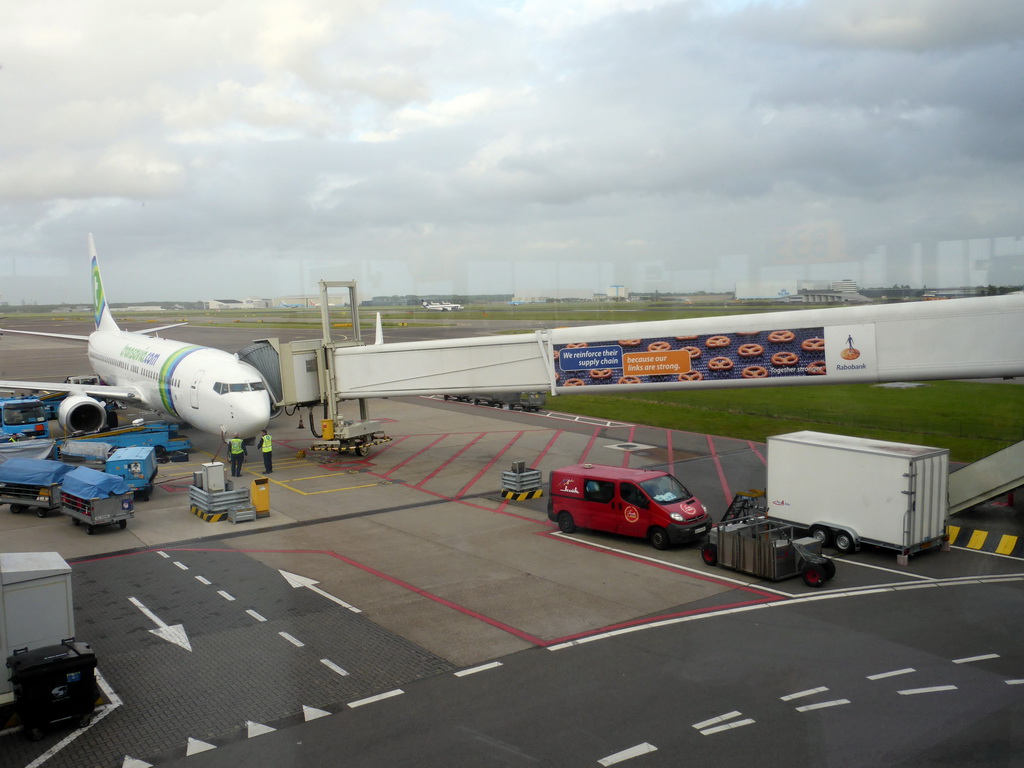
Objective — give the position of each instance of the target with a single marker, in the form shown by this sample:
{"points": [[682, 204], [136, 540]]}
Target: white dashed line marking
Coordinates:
{"points": [[894, 673], [726, 727], [1014, 682], [181, 565], [225, 595], [801, 694], [933, 689], [822, 705], [255, 615], [373, 699], [481, 668], [971, 659], [203, 580], [705, 730], [334, 667], [294, 641], [627, 754], [164, 555]]}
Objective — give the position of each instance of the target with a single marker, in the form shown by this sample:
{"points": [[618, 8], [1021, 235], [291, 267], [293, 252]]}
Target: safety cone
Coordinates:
{"points": [[300, 420]]}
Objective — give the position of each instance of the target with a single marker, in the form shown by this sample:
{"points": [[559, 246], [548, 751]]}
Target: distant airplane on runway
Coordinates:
{"points": [[440, 306], [208, 388]]}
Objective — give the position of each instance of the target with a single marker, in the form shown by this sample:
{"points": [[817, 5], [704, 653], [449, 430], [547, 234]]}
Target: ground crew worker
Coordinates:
{"points": [[236, 448], [267, 448]]}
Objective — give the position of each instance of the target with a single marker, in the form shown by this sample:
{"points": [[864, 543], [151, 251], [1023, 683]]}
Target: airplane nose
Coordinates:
{"points": [[251, 414]]}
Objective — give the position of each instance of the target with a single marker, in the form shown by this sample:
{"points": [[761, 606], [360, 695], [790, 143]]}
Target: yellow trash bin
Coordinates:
{"points": [[259, 494]]}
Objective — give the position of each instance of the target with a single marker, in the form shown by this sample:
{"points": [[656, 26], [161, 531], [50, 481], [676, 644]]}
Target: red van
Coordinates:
{"points": [[634, 502]]}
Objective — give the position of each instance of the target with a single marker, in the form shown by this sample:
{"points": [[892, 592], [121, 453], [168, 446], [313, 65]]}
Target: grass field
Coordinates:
{"points": [[971, 419]]}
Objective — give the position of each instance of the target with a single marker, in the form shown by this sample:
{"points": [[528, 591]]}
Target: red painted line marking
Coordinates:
{"points": [[661, 566], [548, 447], [465, 489], [422, 450], [451, 458], [626, 454], [590, 444], [757, 452], [718, 466]]}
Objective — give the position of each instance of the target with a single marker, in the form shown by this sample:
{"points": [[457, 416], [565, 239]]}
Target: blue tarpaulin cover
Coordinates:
{"points": [[32, 471], [88, 483]]}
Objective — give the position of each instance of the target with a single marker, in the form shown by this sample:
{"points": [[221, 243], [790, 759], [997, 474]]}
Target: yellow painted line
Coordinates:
{"points": [[1006, 545], [977, 540], [330, 490], [954, 531]]}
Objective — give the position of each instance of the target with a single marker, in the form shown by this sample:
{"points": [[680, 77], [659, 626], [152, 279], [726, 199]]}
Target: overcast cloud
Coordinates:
{"points": [[249, 148]]}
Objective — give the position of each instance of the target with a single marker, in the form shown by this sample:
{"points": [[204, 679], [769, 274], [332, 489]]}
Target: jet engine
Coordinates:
{"points": [[81, 413]]}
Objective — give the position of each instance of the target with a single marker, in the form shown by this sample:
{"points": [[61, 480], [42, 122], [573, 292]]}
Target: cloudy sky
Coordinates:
{"points": [[229, 148]]}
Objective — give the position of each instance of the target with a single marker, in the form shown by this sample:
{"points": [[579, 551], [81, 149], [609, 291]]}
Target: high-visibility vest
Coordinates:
{"points": [[268, 444], [236, 445]]}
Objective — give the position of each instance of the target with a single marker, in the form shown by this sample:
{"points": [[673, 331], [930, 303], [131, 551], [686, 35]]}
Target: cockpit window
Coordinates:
{"points": [[245, 386]]}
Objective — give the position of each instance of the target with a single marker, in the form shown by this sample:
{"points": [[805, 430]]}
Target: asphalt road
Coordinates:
{"points": [[580, 649]]}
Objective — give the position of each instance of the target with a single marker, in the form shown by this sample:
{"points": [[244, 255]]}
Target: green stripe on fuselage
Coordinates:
{"points": [[167, 375]]}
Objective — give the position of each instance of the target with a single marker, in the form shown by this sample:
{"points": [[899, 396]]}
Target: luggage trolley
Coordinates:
{"points": [[745, 540]]}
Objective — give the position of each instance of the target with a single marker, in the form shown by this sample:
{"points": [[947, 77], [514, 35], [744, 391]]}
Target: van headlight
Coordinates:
{"points": [[677, 517]]}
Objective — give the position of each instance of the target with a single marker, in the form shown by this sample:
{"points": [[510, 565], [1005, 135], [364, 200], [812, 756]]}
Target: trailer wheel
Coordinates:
{"points": [[814, 575], [41, 512], [709, 554], [830, 568], [122, 524], [822, 534], [90, 529], [363, 449], [844, 542], [565, 523], [659, 538], [17, 508], [75, 521]]}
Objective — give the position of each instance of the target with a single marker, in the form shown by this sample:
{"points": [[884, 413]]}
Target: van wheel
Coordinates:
{"points": [[709, 554], [844, 542], [565, 523], [659, 538], [822, 534]]}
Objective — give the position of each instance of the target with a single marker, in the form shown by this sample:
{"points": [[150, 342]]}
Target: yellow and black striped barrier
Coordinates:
{"points": [[983, 541], [210, 517], [536, 493]]}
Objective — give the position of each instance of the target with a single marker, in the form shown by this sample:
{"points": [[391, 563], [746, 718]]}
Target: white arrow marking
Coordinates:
{"points": [[312, 713], [172, 634], [301, 581], [195, 746], [257, 729], [132, 762]]}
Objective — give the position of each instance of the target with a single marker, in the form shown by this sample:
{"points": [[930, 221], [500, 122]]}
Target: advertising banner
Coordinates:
{"points": [[837, 352]]}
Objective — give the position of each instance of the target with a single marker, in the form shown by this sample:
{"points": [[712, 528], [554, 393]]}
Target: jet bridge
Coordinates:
{"points": [[959, 339]]}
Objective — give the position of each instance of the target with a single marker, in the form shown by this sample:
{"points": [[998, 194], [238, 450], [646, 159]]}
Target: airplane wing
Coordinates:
{"points": [[41, 333], [98, 391], [160, 328]]}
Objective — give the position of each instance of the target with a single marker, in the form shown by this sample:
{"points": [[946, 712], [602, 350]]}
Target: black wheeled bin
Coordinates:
{"points": [[54, 683]]}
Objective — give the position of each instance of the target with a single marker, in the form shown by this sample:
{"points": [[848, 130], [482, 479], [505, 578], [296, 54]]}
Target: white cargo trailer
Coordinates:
{"points": [[849, 491]]}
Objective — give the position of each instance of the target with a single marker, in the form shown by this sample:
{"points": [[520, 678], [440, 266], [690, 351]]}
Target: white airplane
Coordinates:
{"points": [[440, 306], [208, 388]]}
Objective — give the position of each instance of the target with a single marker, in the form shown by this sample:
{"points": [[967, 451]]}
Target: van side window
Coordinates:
{"points": [[600, 491], [633, 495]]}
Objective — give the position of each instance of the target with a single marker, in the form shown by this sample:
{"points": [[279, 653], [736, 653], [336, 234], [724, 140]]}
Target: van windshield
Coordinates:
{"points": [[666, 489]]}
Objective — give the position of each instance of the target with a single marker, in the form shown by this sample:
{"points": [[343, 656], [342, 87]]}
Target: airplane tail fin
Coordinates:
{"points": [[101, 310]]}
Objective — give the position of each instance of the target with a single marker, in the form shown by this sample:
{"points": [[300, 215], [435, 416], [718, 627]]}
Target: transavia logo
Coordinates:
{"points": [[850, 352], [98, 300]]}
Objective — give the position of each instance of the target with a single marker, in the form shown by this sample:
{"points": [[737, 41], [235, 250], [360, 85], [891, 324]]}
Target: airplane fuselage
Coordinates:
{"points": [[208, 388]]}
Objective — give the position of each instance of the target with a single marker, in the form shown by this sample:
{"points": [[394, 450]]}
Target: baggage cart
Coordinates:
{"points": [[749, 542], [31, 484], [52, 684], [96, 498]]}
